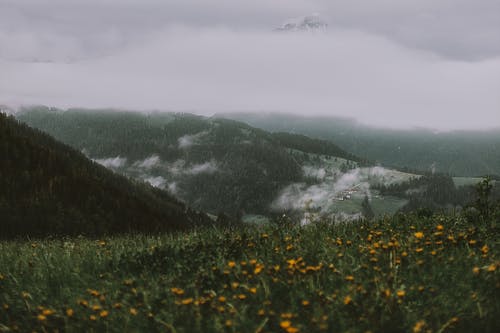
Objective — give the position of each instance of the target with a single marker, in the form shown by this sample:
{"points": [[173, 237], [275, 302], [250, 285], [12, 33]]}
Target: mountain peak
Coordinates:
{"points": [[306, 23]]}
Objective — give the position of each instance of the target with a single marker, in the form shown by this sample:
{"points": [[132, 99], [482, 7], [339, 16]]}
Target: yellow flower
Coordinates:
{"points": [[349, 278], [292, 329], [261, 312], [187, 301], [229, 323], [48, 312], [83, 303], [253, 290], [419, 235], [93, 317], [285, 324], [305, 303], [485, 249], [104, 314], [222, 299], [177, 291], [476, 270], [387, 293], [133, 311], [492, 268], [347, 300], [242, 296], [418, 250], [231, 264], [439, 227], [41, 317], [419, 326], [257, 270], [70, 312], [93, 292], [401, 293]]}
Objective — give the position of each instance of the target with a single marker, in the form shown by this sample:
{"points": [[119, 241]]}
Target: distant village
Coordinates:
{"points": [[347, 194]]}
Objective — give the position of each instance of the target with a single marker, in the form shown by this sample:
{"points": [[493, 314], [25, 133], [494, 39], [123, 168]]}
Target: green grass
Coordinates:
{"points": [[466, 181], [397, 274], [387, 205]]}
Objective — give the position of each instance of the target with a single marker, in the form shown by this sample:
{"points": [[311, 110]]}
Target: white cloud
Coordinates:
{"points": [[149, 162], [310, 171], [323, 195], [112, 162], [387, 62], [156, 181], [207, 167]]}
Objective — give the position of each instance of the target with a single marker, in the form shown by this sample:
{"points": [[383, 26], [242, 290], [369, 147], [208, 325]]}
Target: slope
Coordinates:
{"points": [[48, 188], [460, 153], [215, 165]]}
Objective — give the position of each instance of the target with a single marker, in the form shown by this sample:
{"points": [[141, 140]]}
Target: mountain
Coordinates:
{"points": [[307, 23], [213, 164], [225, 166], [459, 153], [48, 188]]}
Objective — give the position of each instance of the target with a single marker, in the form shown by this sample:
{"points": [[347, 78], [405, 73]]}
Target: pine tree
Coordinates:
{"points": [[367, 209]]}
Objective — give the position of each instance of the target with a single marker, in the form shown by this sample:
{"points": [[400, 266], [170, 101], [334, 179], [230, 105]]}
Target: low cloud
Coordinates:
{"points": [[189, 140], [323, 196], [344, 72], [207, 167], [112, 162], [317, 173], [156, 181], [149, 162]]}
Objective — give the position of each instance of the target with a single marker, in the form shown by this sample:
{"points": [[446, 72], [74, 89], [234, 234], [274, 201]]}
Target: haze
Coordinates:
{"points": [[386, 63]]}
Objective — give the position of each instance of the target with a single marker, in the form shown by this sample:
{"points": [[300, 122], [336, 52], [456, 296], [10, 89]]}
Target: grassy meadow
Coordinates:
{"points": [[400, 274]]}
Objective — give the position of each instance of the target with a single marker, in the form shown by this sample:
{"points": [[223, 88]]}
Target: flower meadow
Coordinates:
{"points": [[395, 274]]}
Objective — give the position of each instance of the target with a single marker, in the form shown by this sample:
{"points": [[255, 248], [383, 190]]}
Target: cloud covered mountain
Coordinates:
{"points": [[311, 23]]}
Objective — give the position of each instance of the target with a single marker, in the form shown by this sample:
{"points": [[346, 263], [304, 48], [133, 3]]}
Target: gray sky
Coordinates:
{"points": [[406, 63]]}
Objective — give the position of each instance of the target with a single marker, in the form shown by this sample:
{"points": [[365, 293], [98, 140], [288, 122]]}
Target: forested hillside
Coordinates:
{"points": [[460, 153], [215, 165], [48, 188]]}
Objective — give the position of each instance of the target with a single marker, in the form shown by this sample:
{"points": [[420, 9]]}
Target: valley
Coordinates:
{"points": [[218, 165]]}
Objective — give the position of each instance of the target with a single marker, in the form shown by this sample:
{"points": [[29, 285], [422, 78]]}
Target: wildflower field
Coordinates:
{"points": [[399, 274]]}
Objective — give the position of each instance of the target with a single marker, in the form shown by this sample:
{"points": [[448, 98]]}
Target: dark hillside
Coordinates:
{"points": [[48, 188], [213, 164]]}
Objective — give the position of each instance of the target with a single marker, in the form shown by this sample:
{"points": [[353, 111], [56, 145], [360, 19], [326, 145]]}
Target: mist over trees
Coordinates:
{"points": [[458, 153], [48, 188]]}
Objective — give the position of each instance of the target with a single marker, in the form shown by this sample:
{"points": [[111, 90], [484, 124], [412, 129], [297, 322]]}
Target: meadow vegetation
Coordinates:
{"points": [[404, 273]]}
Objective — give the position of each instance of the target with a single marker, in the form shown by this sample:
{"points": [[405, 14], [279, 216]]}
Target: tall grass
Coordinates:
{"points": [[438, 274]]}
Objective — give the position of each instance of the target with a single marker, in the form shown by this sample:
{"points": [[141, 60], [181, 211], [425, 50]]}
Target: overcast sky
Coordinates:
{"points": [[433, 63]]}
